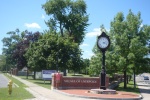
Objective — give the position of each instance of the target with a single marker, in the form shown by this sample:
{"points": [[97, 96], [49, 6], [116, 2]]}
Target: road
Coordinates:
{"points": [[144, 86], [3, 81]]}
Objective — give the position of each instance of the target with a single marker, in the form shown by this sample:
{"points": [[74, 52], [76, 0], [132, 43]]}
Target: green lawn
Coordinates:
{"points": [[130, 87], [40, 82], [18, 93], [75, 75]]}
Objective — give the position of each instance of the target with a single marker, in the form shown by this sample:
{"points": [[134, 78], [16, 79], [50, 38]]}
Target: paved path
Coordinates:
{"points": [[3, 81], [145, 90], [144, 86], [42, 93]]}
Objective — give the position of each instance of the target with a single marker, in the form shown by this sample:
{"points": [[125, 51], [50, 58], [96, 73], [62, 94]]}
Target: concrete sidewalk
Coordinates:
{"points": [[145, 90], [3, 81], [41, 93], [144, 86]]}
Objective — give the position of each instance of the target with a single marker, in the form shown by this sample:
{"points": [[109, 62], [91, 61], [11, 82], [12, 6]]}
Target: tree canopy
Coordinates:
{"points": [[16, 45], [68, 17], [58, 47], [129, 45], [53, 52]]}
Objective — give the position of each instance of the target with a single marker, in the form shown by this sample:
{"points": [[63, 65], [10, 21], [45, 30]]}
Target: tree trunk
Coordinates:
{"points": [[61, 29], [130, 78], [134, 77], [34, 75], [125, 85], [127, 79], [27, 73], [65, 74]]}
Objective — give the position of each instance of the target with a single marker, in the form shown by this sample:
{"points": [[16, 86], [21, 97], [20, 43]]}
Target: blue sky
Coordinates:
{"points": [[28, 14]]}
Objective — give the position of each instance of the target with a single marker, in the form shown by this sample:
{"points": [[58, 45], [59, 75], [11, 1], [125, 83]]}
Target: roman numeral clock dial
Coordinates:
{"points": [[103, 42]]}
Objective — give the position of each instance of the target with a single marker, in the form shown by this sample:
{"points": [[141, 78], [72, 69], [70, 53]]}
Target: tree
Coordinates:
{"points": [[86, 64], [95, 62], [130, 41], [22, 46], [67, 16], [16, 45], [129, 47], [53, 52], [9, 45], [68, 19], [3, 63]]}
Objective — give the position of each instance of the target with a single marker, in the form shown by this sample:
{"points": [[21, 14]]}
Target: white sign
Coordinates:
{"points": [[47, 74]]}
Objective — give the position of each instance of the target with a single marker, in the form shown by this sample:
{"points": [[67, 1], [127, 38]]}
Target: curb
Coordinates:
{"points": [[81, 96], [141, 96]]}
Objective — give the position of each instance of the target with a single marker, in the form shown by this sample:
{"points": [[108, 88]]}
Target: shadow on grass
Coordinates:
{"points": [[77, 75], [130, 83], [128, 89], [145, 91], [32, 79], [38, 81], [46, 83]]}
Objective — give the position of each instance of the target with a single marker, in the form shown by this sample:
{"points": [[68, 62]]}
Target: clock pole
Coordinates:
{"points": [[103, 73], [103, 43]]}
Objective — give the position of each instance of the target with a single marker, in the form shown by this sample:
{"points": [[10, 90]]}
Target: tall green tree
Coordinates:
{"points": [[130, 40], [22, 46], [86, 64], [53, 52], [129, 47], [9, 45], [3, 66], [15, 46], [95, 62], [68, 17]]}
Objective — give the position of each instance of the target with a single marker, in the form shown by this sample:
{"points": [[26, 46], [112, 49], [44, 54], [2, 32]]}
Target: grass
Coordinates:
{"points": [[80, 75], [21, 94], [18, 93], [130, 87], [47, 84], [39, 82]]}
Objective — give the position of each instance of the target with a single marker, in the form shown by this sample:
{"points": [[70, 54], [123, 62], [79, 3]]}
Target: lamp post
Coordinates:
{"points": [[103, 43]]}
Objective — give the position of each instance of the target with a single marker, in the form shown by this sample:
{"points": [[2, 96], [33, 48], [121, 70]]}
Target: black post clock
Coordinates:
{"points": [[103, 43]]}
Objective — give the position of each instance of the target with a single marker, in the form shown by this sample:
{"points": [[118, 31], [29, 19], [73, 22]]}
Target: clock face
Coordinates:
{"points": [[103, 42]]}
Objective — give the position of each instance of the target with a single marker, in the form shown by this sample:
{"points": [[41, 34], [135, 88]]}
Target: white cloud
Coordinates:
{"points": [[87, 51], [91, 54], [32, 25], [95, 32], [108, 30], [43, 17], [84, 45], [88, 54]]}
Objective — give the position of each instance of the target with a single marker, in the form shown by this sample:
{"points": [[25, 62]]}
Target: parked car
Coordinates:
{"points": [[146, 77]]}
